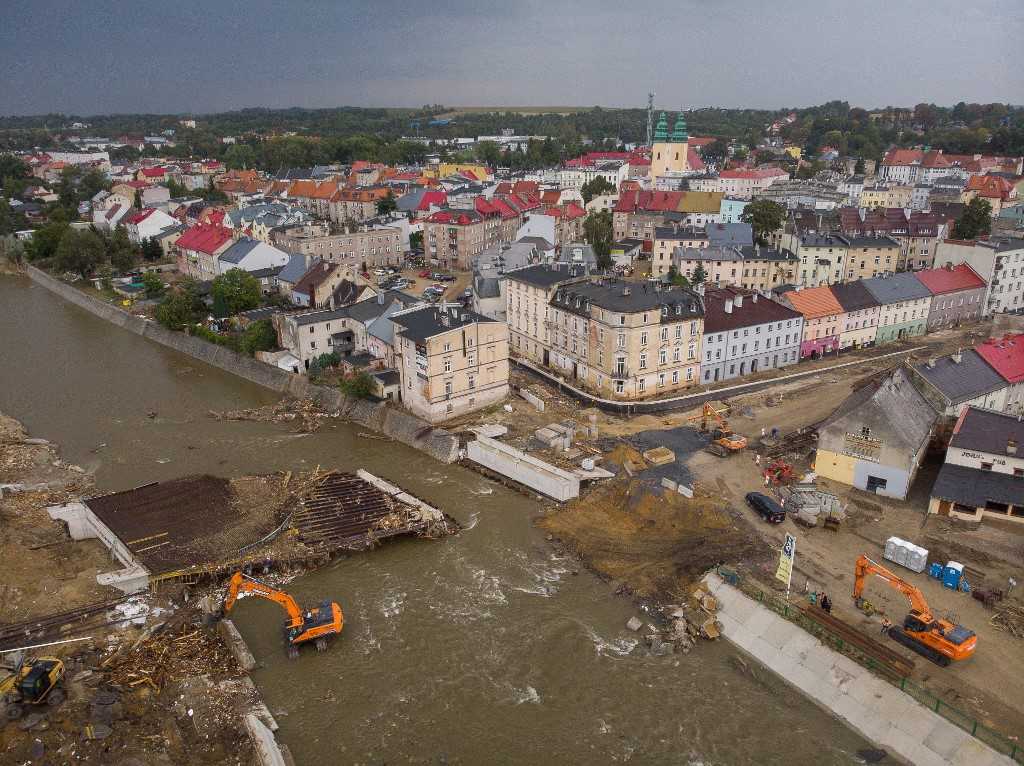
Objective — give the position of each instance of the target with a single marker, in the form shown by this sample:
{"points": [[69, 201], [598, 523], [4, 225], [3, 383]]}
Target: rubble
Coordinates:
{"points": [[305, 412]]}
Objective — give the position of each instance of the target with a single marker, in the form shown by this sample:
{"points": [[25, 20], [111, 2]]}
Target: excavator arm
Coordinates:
{"points": [[240, 584], [865, 566]]}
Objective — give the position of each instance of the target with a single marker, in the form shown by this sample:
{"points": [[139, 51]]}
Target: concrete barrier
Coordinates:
{"points": [[523, 468], [874, 708], [268, 753], [376, 416]]}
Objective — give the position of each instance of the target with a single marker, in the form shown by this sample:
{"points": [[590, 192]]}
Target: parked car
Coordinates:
{"points": [[425, 274], [768, 509]]}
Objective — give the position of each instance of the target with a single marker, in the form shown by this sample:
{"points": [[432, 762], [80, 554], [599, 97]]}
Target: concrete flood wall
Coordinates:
{"points": [[876, 709], [523, 468], [376, 416]]}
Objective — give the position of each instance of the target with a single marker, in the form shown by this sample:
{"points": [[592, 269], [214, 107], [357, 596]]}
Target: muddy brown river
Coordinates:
{"points": [[481, 648]]}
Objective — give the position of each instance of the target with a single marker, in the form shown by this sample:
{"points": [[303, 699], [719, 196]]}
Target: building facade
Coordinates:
{"points": [[958, 295], [905, 303], [823, 320]]}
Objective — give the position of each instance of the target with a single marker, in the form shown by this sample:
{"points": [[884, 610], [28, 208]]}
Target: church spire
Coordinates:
{"points": [[661, 131], [679, 134]]}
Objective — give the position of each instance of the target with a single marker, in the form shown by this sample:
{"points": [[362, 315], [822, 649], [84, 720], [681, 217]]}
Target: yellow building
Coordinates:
{"points": [[445, 169], [795, 152], [668, 152]]}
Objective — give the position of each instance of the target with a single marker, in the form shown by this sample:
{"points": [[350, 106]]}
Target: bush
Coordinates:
{"points": [[228, 341], [358, 385], [179, 309], [259, 336]]}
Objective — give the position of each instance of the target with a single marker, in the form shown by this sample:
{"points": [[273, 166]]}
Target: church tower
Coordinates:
{"points": [[669, 152]]}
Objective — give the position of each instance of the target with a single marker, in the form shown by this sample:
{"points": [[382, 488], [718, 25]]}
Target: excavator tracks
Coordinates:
{"points": [[913, 644]]}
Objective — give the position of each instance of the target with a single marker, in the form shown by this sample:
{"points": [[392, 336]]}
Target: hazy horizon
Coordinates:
{"points": [[200, 58]]}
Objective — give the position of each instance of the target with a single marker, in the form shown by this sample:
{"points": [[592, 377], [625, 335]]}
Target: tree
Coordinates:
{"points": [[153, 284], [259, 336], [122, 254], [416, 240], [675, 278], [151, 250], [180, 308], [240, 157], [45, 240], [858, 167], [974, 221], [597, 230], [764, 216], [716, 151], [387, 204], [358, 385], [234, 292], [699, 275], [595, 187], [10, 221], [80, 252], [489, 153]]}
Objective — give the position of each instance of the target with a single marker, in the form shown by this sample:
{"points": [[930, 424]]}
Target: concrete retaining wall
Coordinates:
{"points": [[876, 709], [523, 468], [376, 416]]}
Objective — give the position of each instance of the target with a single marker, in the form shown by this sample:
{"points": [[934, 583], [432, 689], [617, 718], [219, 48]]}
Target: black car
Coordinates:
{"points": [[767, 507]]}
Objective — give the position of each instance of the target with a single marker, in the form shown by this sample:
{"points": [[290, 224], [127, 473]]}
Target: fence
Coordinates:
{"points": [[998, 742]]}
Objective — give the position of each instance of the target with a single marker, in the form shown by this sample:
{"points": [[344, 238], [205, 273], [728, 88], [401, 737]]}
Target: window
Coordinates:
{"points": [[619, 386], [447, 365], [664, 333], [643, 339], [642, 385], [663, 356], [675, 377], [661, 380], [679, 331], [472, 382], [620, 341], [447, 346], [643, 361], [986, 466], [448, 388]]}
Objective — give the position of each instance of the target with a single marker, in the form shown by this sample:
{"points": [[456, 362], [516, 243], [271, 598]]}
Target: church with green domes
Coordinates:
{"points": [[669, 150]]}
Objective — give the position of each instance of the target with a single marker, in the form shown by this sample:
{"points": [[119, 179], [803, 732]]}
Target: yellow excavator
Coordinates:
{"points": [[724, 442], [32, 682], [316, 625]]}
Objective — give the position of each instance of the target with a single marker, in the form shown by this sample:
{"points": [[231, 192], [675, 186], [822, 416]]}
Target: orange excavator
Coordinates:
{"points": [[938, 639], [316, 625], [724, 441]]}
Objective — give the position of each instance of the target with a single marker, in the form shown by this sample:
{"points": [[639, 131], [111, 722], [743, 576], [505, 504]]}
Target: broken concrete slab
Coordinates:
{"points": [[634, 623], [533, 399], [237, 645], [660, 456]]}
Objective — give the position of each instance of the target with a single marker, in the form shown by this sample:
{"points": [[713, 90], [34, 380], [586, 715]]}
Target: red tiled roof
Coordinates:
{"points": [[312, 279], [693, 160], [204, 238], [935, 159], [647, 201], [814, 302], [112, 212], [153, 172], [698, 142], [432, 199], [325, 190], [139, 216], [505, 187], [525, 187], [306, 189], [995, 187], [1005, 355], [941, 281], [903, 157], [455, 217], [550, 197]]}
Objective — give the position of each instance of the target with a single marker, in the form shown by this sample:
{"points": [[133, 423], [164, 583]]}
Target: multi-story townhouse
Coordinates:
{"points": [[352, 246], [745, 332], [824, 318], [450, 360], [1005, 355], [355, 204], [198, 249], [861, 311], [745, 183], [870, 256], [822, 258], [667, 239], [958, 295], [905, 303], [765, 268], [528, 295], [722, 265], [627, 340], [1000, 262], [456, 237]]}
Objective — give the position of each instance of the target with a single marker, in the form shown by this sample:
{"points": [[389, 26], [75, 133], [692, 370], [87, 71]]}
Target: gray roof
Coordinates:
{"points": [[707, 253], [823, 240], [237, 252], [892, 408], [506, 257], [420, 324], [730, 234], [487, 284], [975, 487], [382, 327], [679, 232], [388, 377], [539, 242], [577, 253], [630, 298], [752, 253], [293, 270], [545, 274], [903, 286], [853, 296], [1010, 244], [971, 378], [988, 431], [868, 241], [367, 310]]}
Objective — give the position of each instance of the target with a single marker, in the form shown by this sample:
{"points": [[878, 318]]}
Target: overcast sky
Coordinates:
{"points": [[95, 56]]}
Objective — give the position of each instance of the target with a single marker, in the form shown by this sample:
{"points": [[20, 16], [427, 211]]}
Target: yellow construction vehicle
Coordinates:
{"points": [[724, 441], [933, 637], [31, 682], [316, 625]]}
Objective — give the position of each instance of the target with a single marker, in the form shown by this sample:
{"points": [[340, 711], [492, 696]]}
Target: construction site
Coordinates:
{"points": [[133, 663], [674, 507]]}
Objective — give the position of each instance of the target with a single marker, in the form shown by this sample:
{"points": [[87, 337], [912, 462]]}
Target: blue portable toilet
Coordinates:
{"points": [[951, 575], [935, 570]]}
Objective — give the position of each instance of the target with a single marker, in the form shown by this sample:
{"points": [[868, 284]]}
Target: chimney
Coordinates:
{"points": [[1011, 446], [728, 305], [754, 297], [380, 299], [930, 364], [444, 319], [738, 301], [625, 291], [958, 357]]}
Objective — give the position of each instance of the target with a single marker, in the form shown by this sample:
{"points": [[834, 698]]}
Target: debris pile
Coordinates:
{"points": [[1010, 619], [305, 412]]}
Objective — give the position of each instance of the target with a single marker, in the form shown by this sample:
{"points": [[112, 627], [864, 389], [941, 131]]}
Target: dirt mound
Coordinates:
{"points": [[655, 541]]}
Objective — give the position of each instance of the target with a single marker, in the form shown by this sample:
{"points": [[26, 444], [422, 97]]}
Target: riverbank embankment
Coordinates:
{"points": [[376, 416]]}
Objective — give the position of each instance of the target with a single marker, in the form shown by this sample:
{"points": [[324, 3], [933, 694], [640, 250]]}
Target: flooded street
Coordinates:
{"points": [[480, 648]]}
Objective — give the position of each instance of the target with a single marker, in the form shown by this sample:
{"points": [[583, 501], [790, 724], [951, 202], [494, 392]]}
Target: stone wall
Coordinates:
{"points": [[376, 416]]}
